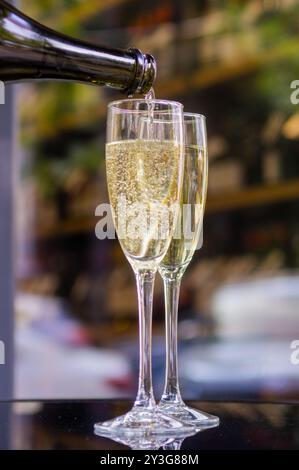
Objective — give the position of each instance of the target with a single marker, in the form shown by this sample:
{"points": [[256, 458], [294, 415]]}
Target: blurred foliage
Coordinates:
{"points": [[53, 174], [50, 111], [62, 111], [50, 108], [272, 85], [51, 12], [272, 33]]}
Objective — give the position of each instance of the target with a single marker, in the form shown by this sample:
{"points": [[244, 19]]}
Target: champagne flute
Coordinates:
{"points": [[172, 267], [144, 163]]}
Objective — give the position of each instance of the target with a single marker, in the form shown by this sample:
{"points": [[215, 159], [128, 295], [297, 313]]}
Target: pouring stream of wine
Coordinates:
{"points": [[150, 96]]}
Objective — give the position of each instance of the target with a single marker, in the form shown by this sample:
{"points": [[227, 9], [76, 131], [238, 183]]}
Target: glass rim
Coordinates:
{"points": [[195, 115], [115, 105]]}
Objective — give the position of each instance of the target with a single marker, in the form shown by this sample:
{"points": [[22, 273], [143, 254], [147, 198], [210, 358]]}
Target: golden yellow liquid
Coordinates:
{"points": [[190, 220], [145, 174]]}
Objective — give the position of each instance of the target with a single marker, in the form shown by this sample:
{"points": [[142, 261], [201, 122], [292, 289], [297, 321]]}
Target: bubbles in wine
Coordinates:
{"points": [[144, 173], [193, 197]]}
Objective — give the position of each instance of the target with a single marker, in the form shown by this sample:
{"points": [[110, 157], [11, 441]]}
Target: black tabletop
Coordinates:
{"points": [[69, 425]]}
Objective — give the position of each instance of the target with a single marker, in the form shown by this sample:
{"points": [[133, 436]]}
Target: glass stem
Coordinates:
{"points": [[171, 392], [145, 287]]}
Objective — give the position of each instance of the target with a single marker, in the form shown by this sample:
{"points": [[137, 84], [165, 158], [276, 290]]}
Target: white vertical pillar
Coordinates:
{"points": [[6, 242]]}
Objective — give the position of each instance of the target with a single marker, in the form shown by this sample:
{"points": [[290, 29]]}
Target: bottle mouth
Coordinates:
{"points": [[145, 74], [149, 74]]}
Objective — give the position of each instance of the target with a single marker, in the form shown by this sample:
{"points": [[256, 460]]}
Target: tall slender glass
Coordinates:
{"points": [[144, 163], [183, 245]]}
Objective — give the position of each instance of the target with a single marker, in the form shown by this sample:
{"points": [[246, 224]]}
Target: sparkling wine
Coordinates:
{"points": [[192, 204], [143, 187]]}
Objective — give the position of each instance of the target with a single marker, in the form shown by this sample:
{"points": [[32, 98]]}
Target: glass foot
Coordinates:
{"points": [[142, 422], [189, 416]]}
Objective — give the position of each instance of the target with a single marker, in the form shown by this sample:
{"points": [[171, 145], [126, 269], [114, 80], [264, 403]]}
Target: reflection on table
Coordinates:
{"points": [[69, 425]]}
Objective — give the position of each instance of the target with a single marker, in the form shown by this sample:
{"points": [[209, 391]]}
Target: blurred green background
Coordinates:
{"points": [[76, 305]]}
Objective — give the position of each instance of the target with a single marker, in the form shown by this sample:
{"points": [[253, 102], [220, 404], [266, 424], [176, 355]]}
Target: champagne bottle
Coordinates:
{"points": [[31, 51]]}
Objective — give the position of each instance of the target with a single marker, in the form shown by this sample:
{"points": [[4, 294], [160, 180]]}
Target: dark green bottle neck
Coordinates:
{"points": [[31, 51]]}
